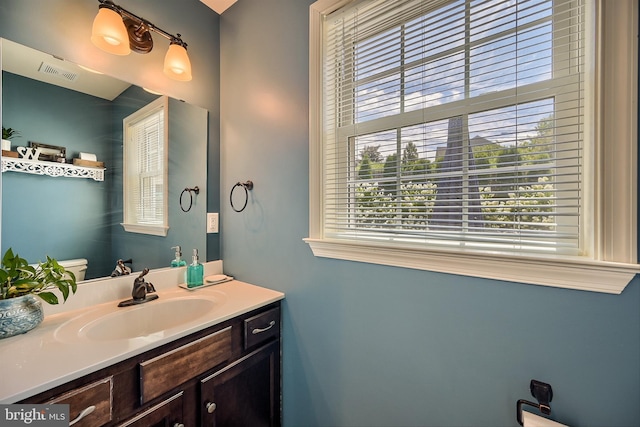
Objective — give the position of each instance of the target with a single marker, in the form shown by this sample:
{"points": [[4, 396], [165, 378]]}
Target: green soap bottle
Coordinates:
{"points": [[178, 261], [195, 272]]}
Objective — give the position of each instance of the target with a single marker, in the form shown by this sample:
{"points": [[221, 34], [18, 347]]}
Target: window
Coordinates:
{"points": [[462, 136], [145, 170]]}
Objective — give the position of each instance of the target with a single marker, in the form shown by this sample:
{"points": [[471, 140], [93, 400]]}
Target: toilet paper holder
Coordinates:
{"points": [[543, 394]]}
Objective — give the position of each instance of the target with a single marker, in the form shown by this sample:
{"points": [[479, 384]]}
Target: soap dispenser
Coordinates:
{"points": [[195, 272], [178, 261]]}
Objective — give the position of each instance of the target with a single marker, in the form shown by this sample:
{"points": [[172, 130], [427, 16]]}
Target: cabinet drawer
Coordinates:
{"points": [[97, 394], [167, 371], [261, 327], [166, 413]]}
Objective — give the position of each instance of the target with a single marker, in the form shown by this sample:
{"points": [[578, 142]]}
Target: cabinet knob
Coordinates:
{"points": [[210, 407]]}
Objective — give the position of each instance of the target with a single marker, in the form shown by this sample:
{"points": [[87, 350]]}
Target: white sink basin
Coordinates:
{"points": [[152, 318], [147, 318]]}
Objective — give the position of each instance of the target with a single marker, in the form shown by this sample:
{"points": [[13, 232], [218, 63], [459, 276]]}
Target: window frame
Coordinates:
{"points": [[130, 221], [610, 260]]}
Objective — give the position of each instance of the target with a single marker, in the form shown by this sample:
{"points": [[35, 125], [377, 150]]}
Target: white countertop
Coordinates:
{"points": [[41, 359]]}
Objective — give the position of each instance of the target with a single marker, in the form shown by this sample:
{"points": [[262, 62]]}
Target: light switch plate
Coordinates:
{"points": [[212, 222]]}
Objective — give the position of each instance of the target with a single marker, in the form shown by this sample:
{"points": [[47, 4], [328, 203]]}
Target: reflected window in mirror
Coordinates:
{"points": [[145, 170]]}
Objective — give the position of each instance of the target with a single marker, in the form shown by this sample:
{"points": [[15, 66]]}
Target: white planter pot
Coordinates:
{"points": [[6, 145]]}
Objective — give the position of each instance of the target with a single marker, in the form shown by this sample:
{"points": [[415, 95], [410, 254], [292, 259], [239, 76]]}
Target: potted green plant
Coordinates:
{"points": [[21, 283], [7, 135]]}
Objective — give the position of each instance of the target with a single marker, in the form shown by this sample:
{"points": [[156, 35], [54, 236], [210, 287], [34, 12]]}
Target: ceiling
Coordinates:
{"points": [[219, 5], [36, 65]]}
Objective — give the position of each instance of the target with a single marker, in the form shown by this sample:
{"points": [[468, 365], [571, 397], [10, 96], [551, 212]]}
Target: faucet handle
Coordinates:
{"points": [[143, 273]]}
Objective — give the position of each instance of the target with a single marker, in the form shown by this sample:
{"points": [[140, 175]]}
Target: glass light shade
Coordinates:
{"points": [[109, 32], [177, 64]]}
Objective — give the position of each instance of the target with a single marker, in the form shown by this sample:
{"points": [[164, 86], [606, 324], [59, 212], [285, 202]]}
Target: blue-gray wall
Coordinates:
{"points": [[368, 345], [63, 218]]}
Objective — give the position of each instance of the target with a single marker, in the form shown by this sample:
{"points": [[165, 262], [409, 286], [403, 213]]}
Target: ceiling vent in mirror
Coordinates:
{"points": [[53, 70]]}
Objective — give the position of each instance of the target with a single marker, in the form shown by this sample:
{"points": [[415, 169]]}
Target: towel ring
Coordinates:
{"points": [[247, 186], [188, 190]]}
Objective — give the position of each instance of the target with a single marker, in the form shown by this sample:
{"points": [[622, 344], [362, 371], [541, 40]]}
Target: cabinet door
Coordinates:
{"points": [[245, 393], [167, 413]]}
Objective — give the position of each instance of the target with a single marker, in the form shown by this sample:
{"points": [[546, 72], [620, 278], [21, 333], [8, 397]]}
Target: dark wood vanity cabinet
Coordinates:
{"points": [[225, 375]]}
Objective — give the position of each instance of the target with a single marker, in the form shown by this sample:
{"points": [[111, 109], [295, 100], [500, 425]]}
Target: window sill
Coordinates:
{"points": [[154, 230], [568, 273]]}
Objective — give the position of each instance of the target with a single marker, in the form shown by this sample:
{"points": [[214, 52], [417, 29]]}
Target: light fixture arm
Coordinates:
{"points": [[142, 23]]}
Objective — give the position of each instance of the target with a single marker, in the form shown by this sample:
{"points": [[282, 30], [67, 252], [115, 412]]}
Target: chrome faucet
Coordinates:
{"points": [[140, 290]]}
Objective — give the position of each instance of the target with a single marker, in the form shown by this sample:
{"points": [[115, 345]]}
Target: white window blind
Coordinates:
{"points": [[455, 124], [145, 170]]}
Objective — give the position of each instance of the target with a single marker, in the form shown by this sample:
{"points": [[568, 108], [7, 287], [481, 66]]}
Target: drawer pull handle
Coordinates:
{"points": [[258, 330], [178, 425], [211, 407], [86, 411]]}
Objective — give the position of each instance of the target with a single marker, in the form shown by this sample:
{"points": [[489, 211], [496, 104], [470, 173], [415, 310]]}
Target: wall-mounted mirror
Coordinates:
{"points": [[56, 103]]}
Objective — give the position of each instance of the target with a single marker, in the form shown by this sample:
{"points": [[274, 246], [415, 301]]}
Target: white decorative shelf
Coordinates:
{"points": [[37, 167]]}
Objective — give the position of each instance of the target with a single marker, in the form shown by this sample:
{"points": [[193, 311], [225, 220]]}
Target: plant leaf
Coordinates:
{"points": [[64, 288], [49, 297]]}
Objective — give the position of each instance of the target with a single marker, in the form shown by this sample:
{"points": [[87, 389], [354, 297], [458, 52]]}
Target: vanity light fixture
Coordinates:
{"points": [[118, 31]]}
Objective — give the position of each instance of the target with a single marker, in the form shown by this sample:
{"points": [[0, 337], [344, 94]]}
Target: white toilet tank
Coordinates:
{"points": [[77, 266]]}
